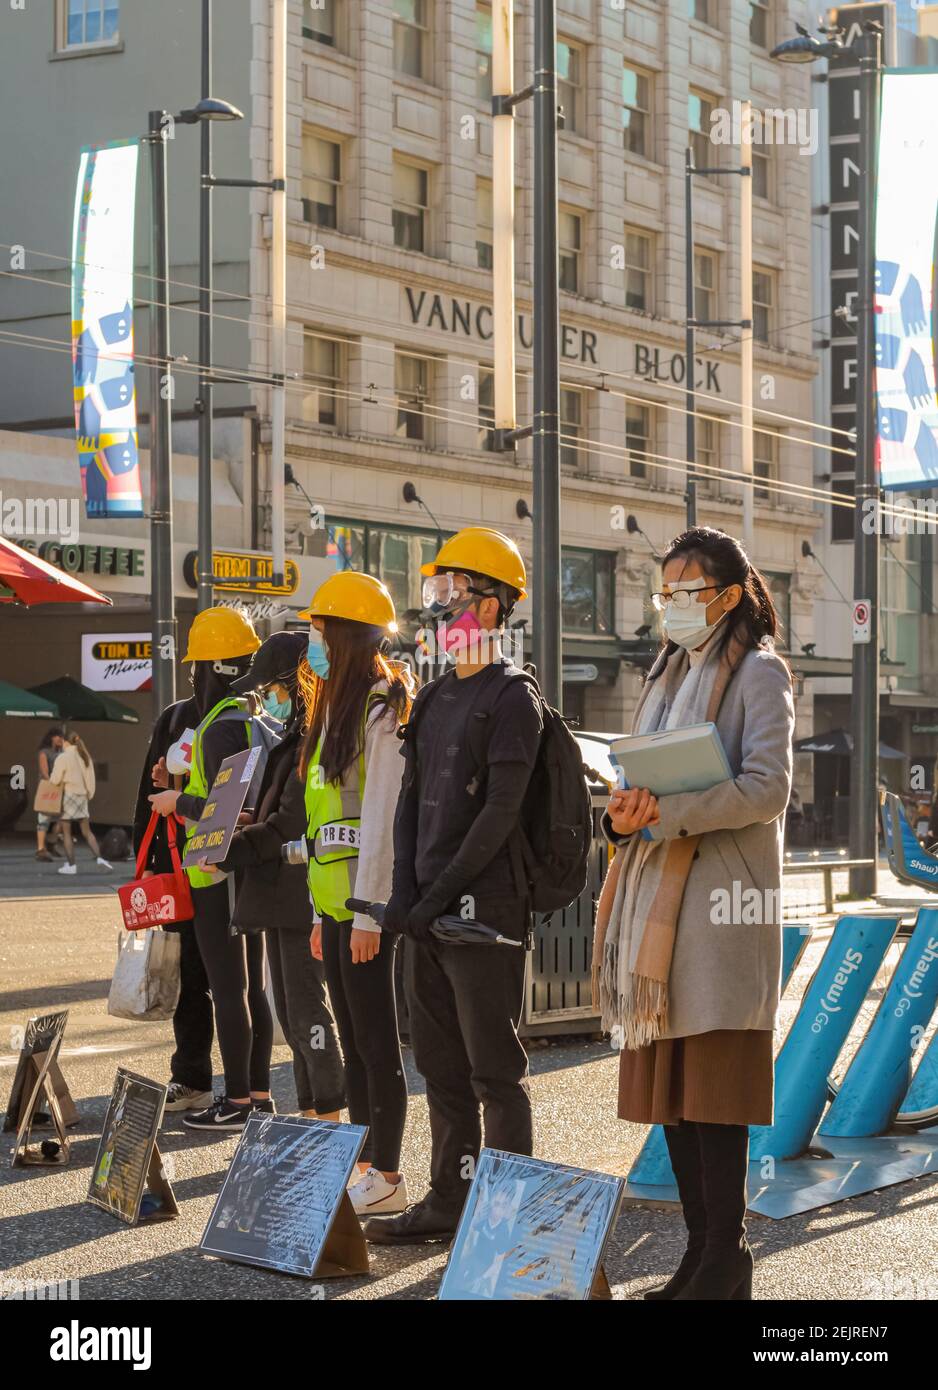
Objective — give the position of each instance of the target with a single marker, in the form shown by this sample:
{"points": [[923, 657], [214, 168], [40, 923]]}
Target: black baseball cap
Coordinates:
{"points": [[275, 660]]}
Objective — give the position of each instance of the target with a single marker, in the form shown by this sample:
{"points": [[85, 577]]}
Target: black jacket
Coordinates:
{"points": [[272, 894], [167, 729]]}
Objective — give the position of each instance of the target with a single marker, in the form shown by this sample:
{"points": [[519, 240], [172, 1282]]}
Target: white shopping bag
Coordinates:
{"points": [[146, 978]]}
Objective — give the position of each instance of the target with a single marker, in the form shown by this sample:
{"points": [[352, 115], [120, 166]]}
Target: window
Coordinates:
{"points": [[699, 111], [484, 224], [411, 206], [322, 176], [764, 461], [637, 438], [706, 440], [411, 37], [759, 23], [83, 23], [842, 517], [483, 52], [705, 286], [322, 21], [587, 590], [779, 587], [701, 10], [636, 111], [411, 385], [486, 408], [570, 77], [761, 172], [323, 373], [572, 416], [393, 556], [569, 236], [763, 305], [638, 270]]}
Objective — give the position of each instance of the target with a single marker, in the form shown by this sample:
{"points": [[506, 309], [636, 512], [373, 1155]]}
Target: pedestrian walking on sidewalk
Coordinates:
{"points": [[47, 826], [74, 769]]}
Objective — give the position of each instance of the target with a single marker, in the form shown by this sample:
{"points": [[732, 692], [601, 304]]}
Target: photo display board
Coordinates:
{"points": [[532, 1230], [284, 1203], [127, 1165]]}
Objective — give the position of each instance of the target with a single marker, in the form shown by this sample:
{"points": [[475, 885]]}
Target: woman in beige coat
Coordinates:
{"points": [[75, 770], [687, 956]]}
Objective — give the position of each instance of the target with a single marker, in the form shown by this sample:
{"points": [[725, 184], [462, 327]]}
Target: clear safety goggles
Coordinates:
{"points": [[682, 594], [445, 590]]}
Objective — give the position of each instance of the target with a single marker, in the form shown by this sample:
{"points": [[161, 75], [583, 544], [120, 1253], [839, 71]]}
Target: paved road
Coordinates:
{"points": [[59, 951]]}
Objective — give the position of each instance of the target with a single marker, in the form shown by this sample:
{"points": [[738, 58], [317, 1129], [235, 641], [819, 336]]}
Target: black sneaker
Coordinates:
{"points": [[420, 1224], [264, 1107], [223, 1117]]}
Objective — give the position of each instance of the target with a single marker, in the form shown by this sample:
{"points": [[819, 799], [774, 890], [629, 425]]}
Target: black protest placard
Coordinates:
{"points": [[127, 1177], [284, 1203], [223, 806], [43, 1033], [532, 1230]]}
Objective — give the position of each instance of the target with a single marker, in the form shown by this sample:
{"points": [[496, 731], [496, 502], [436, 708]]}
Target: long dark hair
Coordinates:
{"points": [[53, 732], [754, 620], [356, 662]]}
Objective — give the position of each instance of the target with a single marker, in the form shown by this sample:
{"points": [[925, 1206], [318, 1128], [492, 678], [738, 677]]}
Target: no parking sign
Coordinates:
{"points": [[862, 610]]}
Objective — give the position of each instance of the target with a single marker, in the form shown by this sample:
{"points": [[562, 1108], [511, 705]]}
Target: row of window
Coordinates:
{"points": [[411, 216], [325, 378]]}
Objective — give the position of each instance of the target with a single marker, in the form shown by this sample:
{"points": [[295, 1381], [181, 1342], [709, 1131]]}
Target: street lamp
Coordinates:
{"points": [[865, 683]]}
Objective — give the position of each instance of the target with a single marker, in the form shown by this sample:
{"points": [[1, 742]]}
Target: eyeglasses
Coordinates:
{"points": [[681, 598]]}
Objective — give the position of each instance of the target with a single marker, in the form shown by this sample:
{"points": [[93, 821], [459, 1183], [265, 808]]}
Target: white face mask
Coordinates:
{"points": [[688, 627]]}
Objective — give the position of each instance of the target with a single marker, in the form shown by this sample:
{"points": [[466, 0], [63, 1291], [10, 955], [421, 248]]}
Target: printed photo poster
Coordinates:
{"points": [[102, 329], [532, 1230], [43, 1033], [284, 1204], [904, 318], [127, 1176]]}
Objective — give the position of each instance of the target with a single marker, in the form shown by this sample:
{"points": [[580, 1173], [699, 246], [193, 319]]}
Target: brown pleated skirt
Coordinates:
{"points": [[723, 1078]]}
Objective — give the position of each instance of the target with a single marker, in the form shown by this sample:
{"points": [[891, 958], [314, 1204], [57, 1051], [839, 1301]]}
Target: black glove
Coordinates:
{"points": [[396, 912], [420, 919]]}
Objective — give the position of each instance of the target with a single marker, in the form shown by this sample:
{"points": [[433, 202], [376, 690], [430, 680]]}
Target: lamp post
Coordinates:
{"points": [[864, 791]]}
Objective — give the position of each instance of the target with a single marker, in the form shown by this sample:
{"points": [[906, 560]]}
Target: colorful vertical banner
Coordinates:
{"points": [[906, 212], [102, 330]]}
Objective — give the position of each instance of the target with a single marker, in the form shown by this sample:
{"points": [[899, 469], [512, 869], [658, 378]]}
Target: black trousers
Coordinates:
{"points": [[465, 1005], [300, 997], [366, 1013], [235, 969], [193, 1022]]}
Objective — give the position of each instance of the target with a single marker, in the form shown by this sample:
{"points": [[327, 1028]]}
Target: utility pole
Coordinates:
{"points": [[690, 399], [547, 593], [204, 405], [161, 496], [864, 789], [278, 283], [745, 307]]}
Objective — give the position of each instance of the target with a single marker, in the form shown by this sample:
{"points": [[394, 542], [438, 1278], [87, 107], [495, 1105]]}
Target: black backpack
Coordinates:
{"points": [[550, 849]]}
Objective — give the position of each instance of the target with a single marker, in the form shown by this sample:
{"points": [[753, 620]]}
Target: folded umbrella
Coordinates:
{"points": [[450, 928]]}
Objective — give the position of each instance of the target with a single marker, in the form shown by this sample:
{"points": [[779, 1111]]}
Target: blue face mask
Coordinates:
{"points": [[317, 656], [280, 709]]}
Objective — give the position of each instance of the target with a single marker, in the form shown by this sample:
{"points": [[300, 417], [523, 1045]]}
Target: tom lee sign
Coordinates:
{"points": [[463, 317]]}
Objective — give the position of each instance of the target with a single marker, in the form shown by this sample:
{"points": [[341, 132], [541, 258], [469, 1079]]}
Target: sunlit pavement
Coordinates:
{"points": [[58, 952]]}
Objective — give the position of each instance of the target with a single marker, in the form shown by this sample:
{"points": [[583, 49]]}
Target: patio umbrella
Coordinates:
{"points": [[77, 702], [26, 579], [839, 742], [23, 704]]}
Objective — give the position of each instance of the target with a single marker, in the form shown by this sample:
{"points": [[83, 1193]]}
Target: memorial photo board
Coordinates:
{"points": [[43, 1033], [127, 1167], [284, 1203], [42, 1082], [532, 1230], [223, 806]]}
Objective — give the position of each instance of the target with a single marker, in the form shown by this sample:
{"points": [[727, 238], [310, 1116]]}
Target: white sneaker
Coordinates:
{"points": [[104, 864], [179, 1097], [373, 1195], [68, 869]]}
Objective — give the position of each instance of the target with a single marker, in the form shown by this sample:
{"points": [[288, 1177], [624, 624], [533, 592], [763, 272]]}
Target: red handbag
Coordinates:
{"points": [[162, 899]]}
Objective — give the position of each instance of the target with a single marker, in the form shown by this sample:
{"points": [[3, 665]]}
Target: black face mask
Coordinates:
{"points": [[208, 686]]}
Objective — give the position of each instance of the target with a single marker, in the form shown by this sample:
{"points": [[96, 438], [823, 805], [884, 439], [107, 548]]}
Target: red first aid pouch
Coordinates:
{"points": [[163, 899]]}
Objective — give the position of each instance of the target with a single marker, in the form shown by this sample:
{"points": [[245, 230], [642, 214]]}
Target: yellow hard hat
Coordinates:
{"points": [[484, 551], [361, 598], [217, 633]]}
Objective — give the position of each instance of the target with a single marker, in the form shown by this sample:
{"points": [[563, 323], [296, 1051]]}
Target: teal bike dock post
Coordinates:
{"points": [[830, 1004], [922, 1095], [652, 1167], [879, 1074]]}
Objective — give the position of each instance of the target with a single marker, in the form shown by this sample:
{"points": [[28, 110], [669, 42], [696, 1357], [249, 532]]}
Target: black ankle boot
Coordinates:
{"points": [[684, 1149], [725, 1269]]}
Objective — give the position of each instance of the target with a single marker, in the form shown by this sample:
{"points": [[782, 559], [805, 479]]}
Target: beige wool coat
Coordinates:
{"points": [[726, 965]]}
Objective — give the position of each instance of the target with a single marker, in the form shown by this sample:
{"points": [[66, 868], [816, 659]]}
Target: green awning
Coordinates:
{"points": [[24, 704], [77, 702]]}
